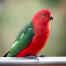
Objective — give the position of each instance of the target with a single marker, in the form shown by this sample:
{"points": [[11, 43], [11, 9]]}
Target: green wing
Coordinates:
{"points": [[22, 40]]}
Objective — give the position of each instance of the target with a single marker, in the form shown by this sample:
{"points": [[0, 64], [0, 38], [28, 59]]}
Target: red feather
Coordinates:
{"points": [[41, 30]]}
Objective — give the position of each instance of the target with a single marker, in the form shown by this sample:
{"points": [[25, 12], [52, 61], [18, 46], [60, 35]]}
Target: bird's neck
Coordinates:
{"points": [[42, 29]]}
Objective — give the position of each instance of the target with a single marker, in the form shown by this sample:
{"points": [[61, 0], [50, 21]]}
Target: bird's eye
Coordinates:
{"points": [[43, 14]]}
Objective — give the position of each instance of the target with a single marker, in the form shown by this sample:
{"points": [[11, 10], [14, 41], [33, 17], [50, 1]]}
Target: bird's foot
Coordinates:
{"points": [[33, 57], [42, 56]]}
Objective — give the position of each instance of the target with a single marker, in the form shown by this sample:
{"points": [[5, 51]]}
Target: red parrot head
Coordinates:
{"points": [[42, 17]]}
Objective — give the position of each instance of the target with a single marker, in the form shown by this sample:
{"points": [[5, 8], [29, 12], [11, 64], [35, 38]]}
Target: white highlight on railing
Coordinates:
{"points": [[24, 60]]}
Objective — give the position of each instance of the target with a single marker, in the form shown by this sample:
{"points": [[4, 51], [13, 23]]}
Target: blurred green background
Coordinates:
{"points": [[15, 14]]}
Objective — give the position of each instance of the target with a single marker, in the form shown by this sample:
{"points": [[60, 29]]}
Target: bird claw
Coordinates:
{"points": [[42, 56], [35, 57], [32, 57]]}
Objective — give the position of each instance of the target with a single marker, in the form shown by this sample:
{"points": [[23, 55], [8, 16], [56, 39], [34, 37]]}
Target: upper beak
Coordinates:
{"points": [[50, 17]]}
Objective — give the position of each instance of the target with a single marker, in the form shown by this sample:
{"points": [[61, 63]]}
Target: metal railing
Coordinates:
{"points": [[24, 60]]}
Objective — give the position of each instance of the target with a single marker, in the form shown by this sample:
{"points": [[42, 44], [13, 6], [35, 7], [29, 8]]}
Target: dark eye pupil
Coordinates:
{"points": [[44, 15]]}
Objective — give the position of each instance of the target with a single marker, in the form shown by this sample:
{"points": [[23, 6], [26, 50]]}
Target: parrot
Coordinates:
{"points": [[33, 37]]}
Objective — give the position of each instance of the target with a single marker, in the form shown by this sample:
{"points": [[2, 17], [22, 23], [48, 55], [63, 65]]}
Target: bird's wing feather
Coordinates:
{"points": [[22, 40]]}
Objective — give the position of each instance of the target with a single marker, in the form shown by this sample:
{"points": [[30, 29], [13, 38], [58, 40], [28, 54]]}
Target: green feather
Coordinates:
{"points": [[22, 40]]}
